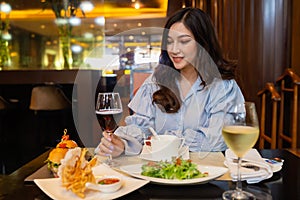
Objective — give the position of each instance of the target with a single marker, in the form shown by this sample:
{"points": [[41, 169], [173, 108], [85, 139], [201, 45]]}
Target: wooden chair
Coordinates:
{"points": [[48, 97], [137, 78], [4, 106], [267, 123], [52, 113], [8, 118], [289, 83]]}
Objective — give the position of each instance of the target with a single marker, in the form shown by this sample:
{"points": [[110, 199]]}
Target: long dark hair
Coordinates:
{"points": [[201, 26]]}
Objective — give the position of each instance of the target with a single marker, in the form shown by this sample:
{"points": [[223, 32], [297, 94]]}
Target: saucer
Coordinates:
{"points": [[147, 155], [275, 166]]}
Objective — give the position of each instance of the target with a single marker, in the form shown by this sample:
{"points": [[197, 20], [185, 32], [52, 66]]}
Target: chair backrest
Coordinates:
{"points": [[269, 100], [3, 104], [289, 83], [137, 79], [48, 97]]}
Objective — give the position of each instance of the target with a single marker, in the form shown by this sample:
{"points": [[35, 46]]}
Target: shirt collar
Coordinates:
{"points": [[196, 87]]}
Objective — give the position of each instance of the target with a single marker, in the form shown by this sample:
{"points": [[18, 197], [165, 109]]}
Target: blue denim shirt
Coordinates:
{"points": [[199, 119]]}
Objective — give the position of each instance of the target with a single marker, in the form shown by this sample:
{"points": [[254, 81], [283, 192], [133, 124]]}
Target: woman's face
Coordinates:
{"points": [[181, 46]]}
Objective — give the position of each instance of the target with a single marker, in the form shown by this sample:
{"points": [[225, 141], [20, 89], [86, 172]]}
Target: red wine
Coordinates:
{"points": [[109, 119]]}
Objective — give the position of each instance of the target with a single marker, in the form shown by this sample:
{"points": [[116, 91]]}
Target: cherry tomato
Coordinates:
{"points": [[148, 143]]}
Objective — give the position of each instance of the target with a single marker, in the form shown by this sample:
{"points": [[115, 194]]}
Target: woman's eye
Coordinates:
{"points": [[169, 41], [185, 41]]}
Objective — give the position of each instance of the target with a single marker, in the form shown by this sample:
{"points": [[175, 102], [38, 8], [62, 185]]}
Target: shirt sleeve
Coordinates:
{"points": [[208, 136], [136, 129]]}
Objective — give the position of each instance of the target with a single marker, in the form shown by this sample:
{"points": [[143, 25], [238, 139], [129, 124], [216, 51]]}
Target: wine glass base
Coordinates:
{"points": [[240, 195]]}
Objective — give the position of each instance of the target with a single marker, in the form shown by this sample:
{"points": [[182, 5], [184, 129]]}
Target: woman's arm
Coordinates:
{"points": [[137, 125]]}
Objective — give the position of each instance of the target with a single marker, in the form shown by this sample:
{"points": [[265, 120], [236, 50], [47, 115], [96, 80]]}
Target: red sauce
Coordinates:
{"points": [[107, 181]]}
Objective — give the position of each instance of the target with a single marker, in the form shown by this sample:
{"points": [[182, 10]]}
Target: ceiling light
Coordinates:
{"points": [[76, 48], [88, 35], [61, 21], [5, 7], [131, 37], [6, 36], [100, 21], [137, 5], [86, 6], [75, 21], [92, 26]]}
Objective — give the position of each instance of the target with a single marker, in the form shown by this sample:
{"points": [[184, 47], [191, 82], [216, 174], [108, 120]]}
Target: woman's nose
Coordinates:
{"points": [[174, 48]]}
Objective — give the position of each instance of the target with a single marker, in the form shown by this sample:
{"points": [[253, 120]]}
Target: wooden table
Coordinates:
{"points": [[284, 184]]}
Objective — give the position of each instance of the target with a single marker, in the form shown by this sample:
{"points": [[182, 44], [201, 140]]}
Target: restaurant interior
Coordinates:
{"points": [[101, 45]]}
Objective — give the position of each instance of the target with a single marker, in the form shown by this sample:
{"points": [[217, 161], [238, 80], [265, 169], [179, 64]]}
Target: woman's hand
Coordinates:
{"points": [[110, 145]]}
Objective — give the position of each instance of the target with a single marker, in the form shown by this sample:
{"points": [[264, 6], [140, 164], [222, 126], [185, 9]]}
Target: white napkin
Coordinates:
{"points": [[252, 157]]}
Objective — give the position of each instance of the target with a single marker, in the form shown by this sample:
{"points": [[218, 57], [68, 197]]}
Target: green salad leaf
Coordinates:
{"points": [[175, 169]]}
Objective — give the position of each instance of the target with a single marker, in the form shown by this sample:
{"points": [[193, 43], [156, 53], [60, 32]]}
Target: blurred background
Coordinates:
{"points": [[110, 41]]}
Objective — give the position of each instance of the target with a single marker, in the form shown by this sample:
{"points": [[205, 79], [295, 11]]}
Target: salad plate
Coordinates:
{"points": [[214, 172], [53, 188]]}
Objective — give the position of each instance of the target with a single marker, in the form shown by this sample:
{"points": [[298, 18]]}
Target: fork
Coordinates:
{"points": [[250, 166]]}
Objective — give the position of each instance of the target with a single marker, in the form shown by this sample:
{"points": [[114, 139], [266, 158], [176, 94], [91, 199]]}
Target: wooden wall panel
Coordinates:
{"points": [[263, 35], [295, 43], [256, 33]]}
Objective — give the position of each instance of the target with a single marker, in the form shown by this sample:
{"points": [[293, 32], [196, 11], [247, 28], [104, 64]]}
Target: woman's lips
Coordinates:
{"points": [[177, 59]]}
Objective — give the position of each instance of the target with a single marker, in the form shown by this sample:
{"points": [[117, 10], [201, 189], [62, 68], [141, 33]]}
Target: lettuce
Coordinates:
{"points": [[175, 169]]}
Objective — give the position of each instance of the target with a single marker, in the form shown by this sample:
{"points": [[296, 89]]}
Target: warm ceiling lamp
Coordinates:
{"points": [[86, 6], [136, 4]]}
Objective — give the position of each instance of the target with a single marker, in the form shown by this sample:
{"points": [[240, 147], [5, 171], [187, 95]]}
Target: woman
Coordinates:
{"points": [[187, 93]]}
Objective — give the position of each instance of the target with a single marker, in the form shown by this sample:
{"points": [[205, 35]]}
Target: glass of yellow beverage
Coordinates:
{"points": [[240, 132]]}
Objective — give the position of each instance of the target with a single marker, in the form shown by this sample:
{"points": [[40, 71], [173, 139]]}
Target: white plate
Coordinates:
{"points": [[146, 155], [53, 188], [213, 173]]}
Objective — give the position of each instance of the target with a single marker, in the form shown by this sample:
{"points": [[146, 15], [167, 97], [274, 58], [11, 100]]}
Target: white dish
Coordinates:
{"points": [[213, 173], [53, 188], [146, 155], [104, 187]]}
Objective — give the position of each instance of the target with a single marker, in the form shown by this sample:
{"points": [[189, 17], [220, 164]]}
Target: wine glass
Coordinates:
{"points": [[109, 113], [240, 132]]}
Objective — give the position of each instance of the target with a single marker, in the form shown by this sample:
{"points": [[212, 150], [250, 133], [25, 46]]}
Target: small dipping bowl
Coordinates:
{"points": [[106, 184]]}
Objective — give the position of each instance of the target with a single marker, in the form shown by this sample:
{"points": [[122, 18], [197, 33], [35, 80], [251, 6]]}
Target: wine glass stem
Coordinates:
{"points": [[110, 156], [239, 182]]}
